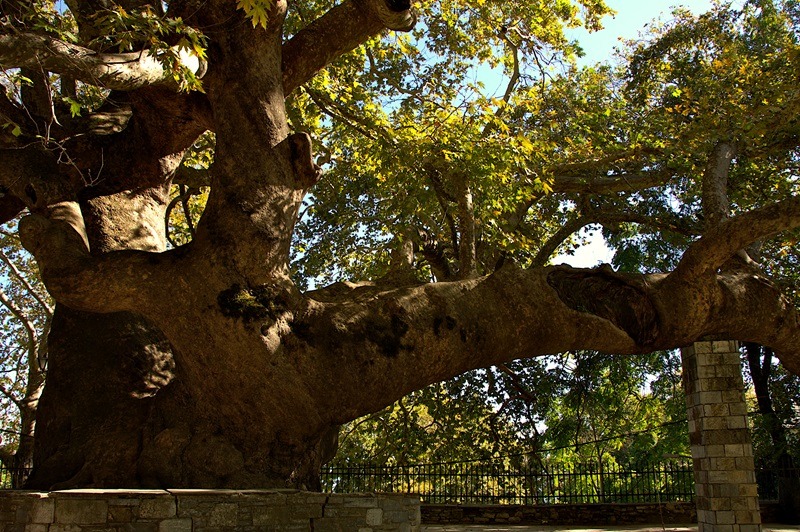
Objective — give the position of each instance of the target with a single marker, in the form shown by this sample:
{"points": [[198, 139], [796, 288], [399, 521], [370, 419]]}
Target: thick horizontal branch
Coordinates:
{"points": [[122, 71], [573, 184], [337, 32], [394, 341], [591, 184]]}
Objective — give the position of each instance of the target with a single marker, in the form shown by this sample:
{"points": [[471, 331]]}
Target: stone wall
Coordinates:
{"points": [[561, 514], [575, 514], [206, 511]]}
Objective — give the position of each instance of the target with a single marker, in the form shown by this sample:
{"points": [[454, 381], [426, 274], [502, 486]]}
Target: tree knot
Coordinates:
{"points": [[608, 295], [265, 302]]}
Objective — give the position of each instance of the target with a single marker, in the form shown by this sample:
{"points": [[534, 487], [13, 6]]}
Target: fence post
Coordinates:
{"points": [[724, 472]]}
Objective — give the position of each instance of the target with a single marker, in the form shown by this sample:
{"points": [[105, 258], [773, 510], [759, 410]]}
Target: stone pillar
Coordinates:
{"points": [[724, 472]]}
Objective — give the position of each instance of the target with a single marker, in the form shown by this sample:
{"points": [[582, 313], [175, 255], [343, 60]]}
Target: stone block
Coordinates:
{"points": [[744, 503], [727, 437], [749, 528], [722, 464], [716, 410], [80, 511], [141, 526], [735, 401], [399, 516], [120, 514], [706, 516], [337, 524], [747, 517], [729, 477], [42, 511], [304, 511], [713, 423], [736, 422], [721, 384], [269, 515], [341, 511], [374, 516], [710, 397], [721, 528], [160, 508], [64, 528], [714, 450], [36, 528], [703, 503], [700, 347], [723, 503], [305, 497], [707, 372], [734, 449], [175, 525], [729, 347], [224, 515], [356, 501]]}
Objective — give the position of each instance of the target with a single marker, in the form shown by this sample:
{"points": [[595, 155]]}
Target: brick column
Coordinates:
{"points": [[724, 473]]}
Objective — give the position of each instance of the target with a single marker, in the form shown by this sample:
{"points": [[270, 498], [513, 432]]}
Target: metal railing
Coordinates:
{"points": [[11, 478], [493, 483], [496, 483]]}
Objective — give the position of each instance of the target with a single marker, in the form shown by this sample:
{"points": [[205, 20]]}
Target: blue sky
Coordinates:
{"points": [[631, 17]]}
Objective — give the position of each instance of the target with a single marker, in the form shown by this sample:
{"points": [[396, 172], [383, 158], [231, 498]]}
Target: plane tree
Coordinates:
{"points": [[206, 364]]}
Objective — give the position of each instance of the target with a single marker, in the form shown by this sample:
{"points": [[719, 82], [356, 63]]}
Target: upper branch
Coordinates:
{"points": [[122, 71], [624, 182], [337, 32], [722, 241], [715, 184]]}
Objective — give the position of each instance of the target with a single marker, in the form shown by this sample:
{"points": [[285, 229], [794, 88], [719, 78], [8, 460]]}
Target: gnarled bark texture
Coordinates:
{"points": [[205, 366]]}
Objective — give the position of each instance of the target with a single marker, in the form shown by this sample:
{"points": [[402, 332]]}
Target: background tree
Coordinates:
{"points": [[26, 313], [206, 364]]}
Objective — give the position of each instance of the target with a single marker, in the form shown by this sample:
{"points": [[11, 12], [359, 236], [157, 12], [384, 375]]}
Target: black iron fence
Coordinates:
{"points": [[13, 478], [497, 483]]}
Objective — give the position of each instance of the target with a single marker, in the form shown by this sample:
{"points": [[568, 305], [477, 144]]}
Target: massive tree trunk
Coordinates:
{"points": [[205, 365]]}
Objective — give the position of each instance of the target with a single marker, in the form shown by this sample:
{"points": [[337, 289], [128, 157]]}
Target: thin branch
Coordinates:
{"points": [[512, 83], [35, 293], [30, 329], [337, 111], [192, 177], [549, 247]]}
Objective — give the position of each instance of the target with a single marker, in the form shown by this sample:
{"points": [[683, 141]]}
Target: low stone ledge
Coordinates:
{"points": [[561, 514], [206, 511]]}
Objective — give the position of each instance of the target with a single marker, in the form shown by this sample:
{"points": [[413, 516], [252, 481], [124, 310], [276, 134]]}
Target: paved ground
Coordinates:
{"points": [[644, 528]]}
